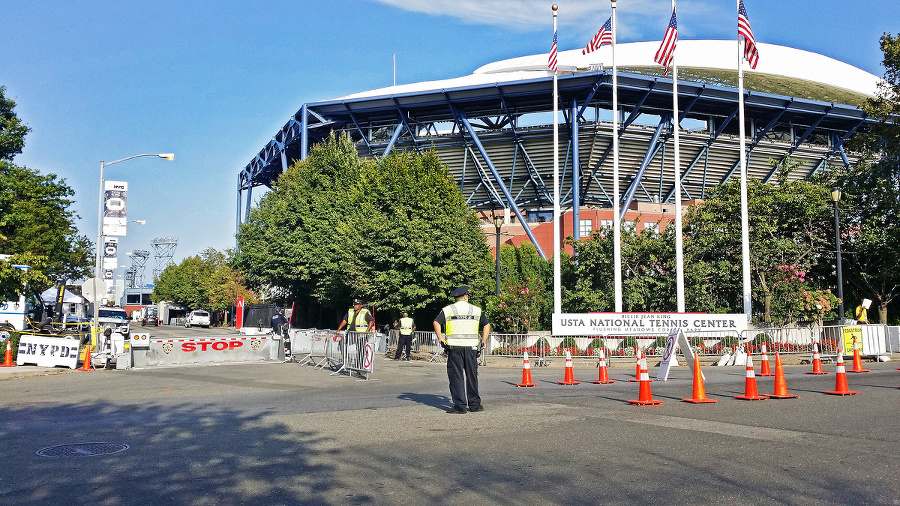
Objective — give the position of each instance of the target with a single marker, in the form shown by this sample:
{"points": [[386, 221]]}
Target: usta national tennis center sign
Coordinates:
{"points": [[598, 324]]}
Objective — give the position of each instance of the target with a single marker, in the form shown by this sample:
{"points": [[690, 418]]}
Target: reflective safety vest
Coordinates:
{"points": [[461, 324], [357, 322], [406, 326]]}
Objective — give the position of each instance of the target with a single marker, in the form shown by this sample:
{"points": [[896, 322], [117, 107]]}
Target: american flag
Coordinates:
{"points": [[751, 54], [603, 37], [666, 52], [552, 61]]}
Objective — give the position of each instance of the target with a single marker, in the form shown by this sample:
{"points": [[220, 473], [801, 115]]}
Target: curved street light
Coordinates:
{"points": [[99, 254]]}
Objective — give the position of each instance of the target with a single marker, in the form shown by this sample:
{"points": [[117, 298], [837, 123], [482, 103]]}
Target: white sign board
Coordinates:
{"points": [[650, 324], [110, 252], [48, 351], [115, 197], [676, 339]]}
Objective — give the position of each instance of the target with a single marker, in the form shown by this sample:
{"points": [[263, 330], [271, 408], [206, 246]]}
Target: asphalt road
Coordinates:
{"points": [[286, 434]]}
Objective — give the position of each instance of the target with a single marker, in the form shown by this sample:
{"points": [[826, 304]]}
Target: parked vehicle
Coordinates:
{"points": [[198, 317], [115, 319], [149, 316]]}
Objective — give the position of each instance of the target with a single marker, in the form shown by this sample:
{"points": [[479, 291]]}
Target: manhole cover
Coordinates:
{"points": [[82, 450]]}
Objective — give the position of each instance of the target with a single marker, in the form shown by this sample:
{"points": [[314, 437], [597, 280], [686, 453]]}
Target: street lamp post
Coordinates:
{"points": [[498, 222], [99, 254], [835, 198]]}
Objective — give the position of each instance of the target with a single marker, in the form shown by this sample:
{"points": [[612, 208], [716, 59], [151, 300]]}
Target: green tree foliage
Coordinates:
{"points": [[871, 208], [521, 307], [790, 225], [203, 281], [648, 263], [36, 219], [12, 130], [14, 280], [396, 233]]}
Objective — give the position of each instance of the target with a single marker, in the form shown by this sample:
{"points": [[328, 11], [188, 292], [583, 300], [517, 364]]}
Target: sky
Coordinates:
{"points": [[213, 80]]}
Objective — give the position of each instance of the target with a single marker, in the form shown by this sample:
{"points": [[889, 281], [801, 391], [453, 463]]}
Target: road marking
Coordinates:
{"points": [[725, 428]]}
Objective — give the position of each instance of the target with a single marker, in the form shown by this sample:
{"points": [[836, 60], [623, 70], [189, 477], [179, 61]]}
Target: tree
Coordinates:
{"points": [[397, 233], [12, 130], [790, 225], [15, 280], [872, 207], [36, 218], [202, 281]]}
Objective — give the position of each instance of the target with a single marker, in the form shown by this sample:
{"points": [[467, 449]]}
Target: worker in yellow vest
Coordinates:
{"points": [[456, 327], [359, 319], [407, 327]]}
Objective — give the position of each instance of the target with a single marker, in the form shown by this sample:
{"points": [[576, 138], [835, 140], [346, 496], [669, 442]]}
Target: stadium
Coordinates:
{"points": [[494, 127]]}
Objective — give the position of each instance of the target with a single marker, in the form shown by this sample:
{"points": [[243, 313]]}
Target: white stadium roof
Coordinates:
{"points": [[713, 55]]}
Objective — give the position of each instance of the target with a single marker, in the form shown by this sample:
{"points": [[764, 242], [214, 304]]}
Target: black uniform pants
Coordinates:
{"points": [[401, 342], [462, 370]]}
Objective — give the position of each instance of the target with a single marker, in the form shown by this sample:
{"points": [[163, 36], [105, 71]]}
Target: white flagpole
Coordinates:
{"points": [[617, 221], [745, 221], [679, 246], [557, 277]]}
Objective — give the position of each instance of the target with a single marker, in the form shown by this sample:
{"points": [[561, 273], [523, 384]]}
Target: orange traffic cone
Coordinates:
{"points": [[604, 373], [570, 376], [857, 360], [645, 397], [764, 363], [840, 384], [86, 365], [637, 366], [7, 360], [750, 392], [699, 391], [780, 385], [817, 361], [526, 373]]}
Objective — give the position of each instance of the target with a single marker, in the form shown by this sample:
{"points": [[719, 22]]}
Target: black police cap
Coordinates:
{"points": [[459, 292]]}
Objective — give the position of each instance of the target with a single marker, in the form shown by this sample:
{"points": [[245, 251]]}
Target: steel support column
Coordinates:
{"points": [[576, 174], [304, 132], [648, 157], [471, 131]]}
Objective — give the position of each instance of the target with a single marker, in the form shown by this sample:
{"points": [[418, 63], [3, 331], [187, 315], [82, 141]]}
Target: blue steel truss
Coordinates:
{"points": [[509, 125]]}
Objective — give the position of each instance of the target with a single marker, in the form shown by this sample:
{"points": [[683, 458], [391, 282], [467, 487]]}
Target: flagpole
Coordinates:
{"points": [[557, 277], [679, 246], [745, 222], [617, 220]]}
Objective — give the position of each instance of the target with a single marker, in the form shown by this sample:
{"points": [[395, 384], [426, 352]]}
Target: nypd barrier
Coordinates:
{"points": [[46, 351]]}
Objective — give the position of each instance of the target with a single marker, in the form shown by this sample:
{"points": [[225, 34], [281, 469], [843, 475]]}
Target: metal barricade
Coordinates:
{"points": [[318, 354], [393, 338], [300, 345], [357, 351]]}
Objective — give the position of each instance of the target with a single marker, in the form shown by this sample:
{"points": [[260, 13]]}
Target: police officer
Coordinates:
{"points": [[460, 322], [360, 319], [407, 327], [278, 320]]}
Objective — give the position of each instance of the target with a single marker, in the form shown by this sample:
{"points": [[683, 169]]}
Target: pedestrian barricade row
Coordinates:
{"points": [[870, 339]]}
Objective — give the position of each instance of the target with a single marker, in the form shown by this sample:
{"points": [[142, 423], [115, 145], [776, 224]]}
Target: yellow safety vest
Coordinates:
{"points": [[406, 326], [357, 322], [861, 314], [461, 321]]}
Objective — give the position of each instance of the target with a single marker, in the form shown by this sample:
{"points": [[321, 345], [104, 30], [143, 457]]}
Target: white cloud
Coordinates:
{"points": [[637, 19]]}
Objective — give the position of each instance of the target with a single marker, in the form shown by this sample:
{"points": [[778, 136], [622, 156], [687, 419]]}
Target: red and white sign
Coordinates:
{"points": [[239, 313]]}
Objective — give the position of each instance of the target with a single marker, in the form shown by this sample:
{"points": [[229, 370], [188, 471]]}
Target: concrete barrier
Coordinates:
{"points": [[213, 349]]}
